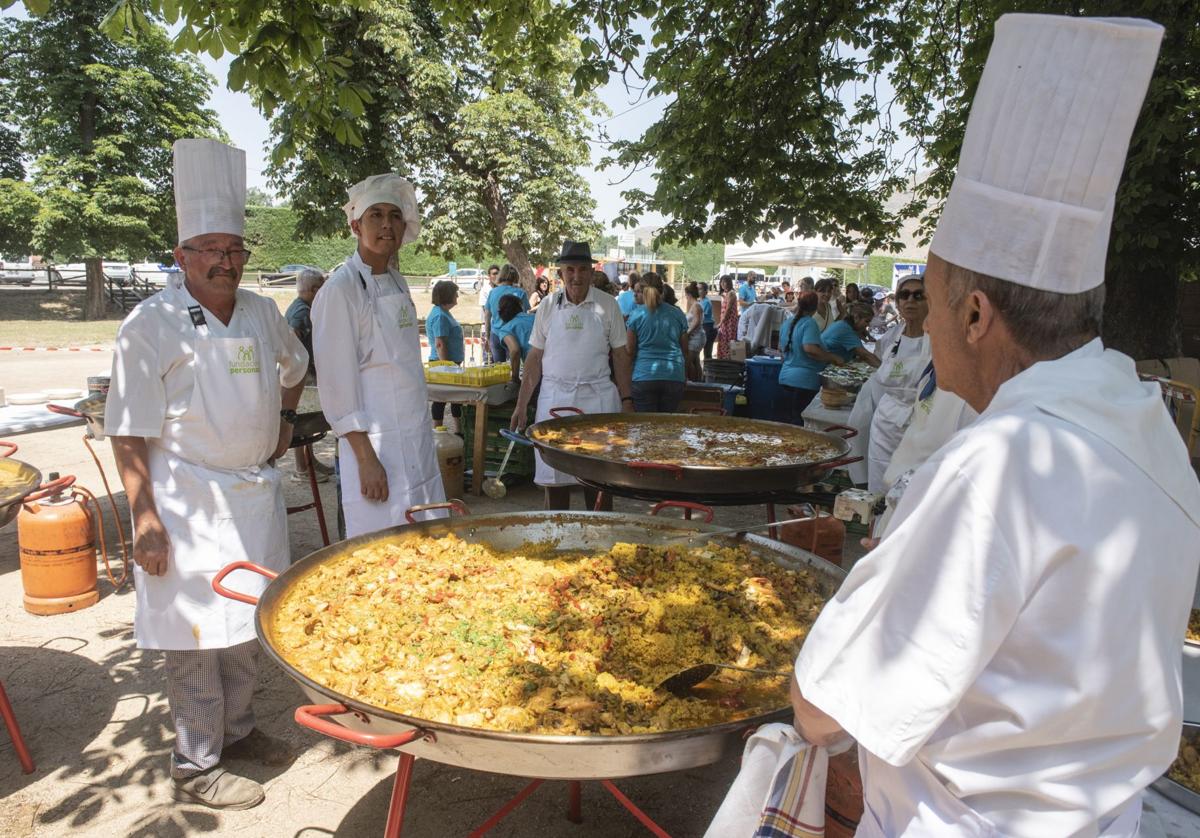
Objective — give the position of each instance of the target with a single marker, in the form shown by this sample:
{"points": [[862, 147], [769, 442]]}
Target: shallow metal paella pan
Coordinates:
{"points": [[714, 480], [17, 480], [1177, 792], [540, 756]]}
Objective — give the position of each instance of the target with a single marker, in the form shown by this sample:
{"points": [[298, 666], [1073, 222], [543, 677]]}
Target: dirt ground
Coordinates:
{"points": [[94, 713]]}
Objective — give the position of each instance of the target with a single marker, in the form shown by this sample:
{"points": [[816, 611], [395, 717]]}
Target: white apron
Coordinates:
{"points": [[884, 406], [218, 499], [395, 399], [571, 375]]}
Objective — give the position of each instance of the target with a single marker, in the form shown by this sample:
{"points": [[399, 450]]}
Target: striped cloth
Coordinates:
{"points": [[780, 790], [795, 807]]}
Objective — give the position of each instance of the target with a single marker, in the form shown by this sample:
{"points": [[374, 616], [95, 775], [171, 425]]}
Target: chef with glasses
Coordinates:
{"points": [[885, 405]]}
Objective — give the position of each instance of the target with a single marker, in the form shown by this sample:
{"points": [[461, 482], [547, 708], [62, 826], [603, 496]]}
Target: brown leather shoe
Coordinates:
{"points": [[257, 746], [216, 788]]}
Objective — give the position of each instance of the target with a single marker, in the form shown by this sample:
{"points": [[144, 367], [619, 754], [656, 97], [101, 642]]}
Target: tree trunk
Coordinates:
{"points": [[95, 305], [516, 252], [1141, 314]]}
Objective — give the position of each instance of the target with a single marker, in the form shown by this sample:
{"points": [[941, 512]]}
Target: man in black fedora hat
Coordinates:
{"points": [[575, 332]]}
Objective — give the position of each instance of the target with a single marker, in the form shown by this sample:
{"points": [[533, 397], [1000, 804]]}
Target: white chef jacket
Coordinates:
{"points": [[157, 343], [209, 431], [1008, 657]]}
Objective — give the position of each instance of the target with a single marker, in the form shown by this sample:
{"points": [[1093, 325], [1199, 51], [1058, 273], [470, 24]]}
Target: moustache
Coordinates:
{"points": [[217, 271]]}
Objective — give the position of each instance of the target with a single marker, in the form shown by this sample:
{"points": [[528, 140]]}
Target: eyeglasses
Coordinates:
{"points": [[917, 296], [236, 256]]}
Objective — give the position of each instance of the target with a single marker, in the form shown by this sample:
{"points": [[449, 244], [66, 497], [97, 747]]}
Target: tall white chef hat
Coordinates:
{"points": [[1032, 199], [386, 189], [210, 188]]}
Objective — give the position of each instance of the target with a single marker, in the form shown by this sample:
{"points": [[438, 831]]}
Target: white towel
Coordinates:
{"points": [[780, 791]]}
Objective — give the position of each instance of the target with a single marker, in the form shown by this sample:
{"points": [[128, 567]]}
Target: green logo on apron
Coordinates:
{"points": [[406, 319], [244, 361], [574, 322]]}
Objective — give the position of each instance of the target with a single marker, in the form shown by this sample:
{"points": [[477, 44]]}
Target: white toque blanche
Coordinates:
{"points": [[1045, 145], [386, 189], [210, 188]]}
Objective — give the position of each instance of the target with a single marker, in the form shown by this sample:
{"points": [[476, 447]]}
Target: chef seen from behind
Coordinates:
{"points": [[205, 382], [368, 348], [1008, 657]]}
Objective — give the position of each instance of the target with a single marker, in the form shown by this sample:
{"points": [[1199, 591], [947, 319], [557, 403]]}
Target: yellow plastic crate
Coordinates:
{"points": [[447, 372]]}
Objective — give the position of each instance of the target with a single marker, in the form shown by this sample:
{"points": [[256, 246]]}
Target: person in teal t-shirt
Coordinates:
{"points": [[845, 337], [507, 286], [445, 339], [514, 332], [804, 357], [747, 296], [657, 340]]}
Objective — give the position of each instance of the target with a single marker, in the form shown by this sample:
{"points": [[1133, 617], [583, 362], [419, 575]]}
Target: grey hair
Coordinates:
{"points": [[307, 278], [1043, 323], [509, 273]]}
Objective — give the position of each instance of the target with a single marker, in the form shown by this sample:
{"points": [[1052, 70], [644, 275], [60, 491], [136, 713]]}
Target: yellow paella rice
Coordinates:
{"points": [[1186, 768], [1193, 629], [535, 640]]}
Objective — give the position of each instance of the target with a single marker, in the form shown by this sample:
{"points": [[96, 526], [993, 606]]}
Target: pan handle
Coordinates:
{"points": [[65, 411], [312, 716], [11, 448], [557, 412], [852, 433], [707, 411], [52, 488], [516, 436], [845, 461], [640, 466], [690, 506], [454, 505], [230, 568]]}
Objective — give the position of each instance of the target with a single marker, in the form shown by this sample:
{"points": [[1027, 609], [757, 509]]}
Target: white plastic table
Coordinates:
{"points": [[481, 397], [17, 419]]}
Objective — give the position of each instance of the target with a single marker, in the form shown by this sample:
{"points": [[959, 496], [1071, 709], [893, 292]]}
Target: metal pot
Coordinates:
{"points": [[521, 754], [17, 480], [716, 482], [91, 410]]}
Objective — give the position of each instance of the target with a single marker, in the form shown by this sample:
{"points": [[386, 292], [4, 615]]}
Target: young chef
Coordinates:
{"points": [[372, 384], [885, 405], [574, 331], [1008, 657], [205, 382]]}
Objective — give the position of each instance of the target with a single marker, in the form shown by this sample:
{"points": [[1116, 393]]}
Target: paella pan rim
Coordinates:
{"points": [[842, 445], [467, 526]]}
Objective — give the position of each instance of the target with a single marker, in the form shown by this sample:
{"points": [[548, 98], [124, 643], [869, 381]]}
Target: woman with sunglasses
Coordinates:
{"points": [[884, 406]]}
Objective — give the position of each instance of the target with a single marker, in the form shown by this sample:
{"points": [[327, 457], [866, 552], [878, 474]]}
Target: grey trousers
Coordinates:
{"points": [[209, 691]]}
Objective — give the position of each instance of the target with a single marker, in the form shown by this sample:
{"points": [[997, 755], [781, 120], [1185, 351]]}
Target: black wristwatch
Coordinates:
{"points": [[288, 415]]}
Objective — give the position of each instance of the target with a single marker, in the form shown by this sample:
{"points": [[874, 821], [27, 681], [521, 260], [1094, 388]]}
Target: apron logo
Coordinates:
{"points": [[245, 362], [406, 320], [574, 322]]}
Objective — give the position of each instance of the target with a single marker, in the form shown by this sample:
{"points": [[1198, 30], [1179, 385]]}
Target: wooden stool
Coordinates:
{"points": [[10, 720], [310, 428]]}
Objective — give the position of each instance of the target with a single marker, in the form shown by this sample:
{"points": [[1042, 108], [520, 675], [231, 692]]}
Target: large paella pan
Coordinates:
{"points": [[17, 480], [718, 458], [531, 754]]}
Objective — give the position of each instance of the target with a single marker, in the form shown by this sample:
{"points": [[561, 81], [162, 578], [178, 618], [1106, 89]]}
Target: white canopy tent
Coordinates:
{"points": [[786, 250]]}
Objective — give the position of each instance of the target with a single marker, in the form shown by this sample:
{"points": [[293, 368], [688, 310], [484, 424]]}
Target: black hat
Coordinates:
{"points": [[575, 252]]}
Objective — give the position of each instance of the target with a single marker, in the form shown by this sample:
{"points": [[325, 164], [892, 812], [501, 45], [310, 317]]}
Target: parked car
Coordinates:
{"points": [[18, 271], [467, 279]]}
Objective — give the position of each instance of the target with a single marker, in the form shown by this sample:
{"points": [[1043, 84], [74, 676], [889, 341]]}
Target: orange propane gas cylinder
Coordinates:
{"points": [[58, 551]]}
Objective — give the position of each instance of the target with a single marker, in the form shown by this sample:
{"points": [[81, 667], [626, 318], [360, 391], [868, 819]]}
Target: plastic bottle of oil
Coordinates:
{"points": [[451, 460]]}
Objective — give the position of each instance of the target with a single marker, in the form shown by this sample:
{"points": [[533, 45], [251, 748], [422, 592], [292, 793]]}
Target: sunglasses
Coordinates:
{"points": [[916, 296]]}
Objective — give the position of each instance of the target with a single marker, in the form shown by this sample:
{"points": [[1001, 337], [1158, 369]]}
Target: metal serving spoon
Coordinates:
{"points": [[494, 487], [681, 683], [731, 531]]}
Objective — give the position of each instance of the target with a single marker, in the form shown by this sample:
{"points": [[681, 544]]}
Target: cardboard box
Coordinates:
{"points": [[738, 350]]}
